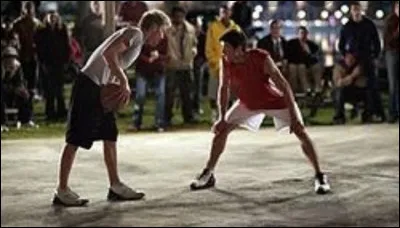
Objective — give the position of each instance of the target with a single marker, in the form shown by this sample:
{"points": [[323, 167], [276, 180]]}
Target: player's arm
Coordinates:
{"points": [[282, 84], [223, 91], [114, 50]]}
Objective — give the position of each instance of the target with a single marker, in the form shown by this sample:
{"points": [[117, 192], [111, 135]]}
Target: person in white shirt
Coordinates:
{"points": [[87, 120]]}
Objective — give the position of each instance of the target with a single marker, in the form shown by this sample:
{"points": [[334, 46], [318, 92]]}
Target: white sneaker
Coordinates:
{"points": [[19, 125], [204, 181], [32, 124], [68, 198], [4, 128], [121, 192], [321, 184], [214, 116]]}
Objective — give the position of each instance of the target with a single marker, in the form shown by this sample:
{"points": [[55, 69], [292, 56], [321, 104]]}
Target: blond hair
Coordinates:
{"points": [[154, 18]]}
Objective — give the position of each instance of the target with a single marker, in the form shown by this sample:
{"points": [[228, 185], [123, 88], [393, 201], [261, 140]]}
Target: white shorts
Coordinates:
{"points": [[252, 120]]}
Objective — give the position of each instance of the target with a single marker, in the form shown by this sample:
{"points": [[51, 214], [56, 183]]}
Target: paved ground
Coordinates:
{"points": [[263, 180]]}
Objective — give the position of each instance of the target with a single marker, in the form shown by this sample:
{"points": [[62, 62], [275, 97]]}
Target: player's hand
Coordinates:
{"points": [[296, 126], [219, 126], [126, 90]]}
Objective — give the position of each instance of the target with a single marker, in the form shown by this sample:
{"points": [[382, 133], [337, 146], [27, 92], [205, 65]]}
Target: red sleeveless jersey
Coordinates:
{"points": [[252, 85]]}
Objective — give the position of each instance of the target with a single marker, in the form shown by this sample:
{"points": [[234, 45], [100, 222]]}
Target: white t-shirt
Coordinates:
{"points": [[96, 67]]}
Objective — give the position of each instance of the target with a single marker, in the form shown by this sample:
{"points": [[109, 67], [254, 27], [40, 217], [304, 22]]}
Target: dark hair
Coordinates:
{"points": [[235, 38], [303, 28], [355, 3], [178, 9], [274, 22]]}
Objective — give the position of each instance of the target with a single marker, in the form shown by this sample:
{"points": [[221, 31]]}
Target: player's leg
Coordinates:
{"points": [[321, 180], [282, 121], [64, 195], [118, 191], [206, 179]]}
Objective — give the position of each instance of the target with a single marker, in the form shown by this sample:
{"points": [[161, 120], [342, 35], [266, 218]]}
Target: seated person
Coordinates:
{"points": [[349, 85], [14, 92], [303, 58]]}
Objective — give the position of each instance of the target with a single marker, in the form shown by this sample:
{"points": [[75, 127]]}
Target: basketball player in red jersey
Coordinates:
{"points": [[248, 73]]}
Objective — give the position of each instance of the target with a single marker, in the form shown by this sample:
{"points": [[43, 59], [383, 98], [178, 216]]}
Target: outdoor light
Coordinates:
{"points": [[380, 14], [324, 14], [301, 14], [338, 14], [345, 9], [344, 20]]}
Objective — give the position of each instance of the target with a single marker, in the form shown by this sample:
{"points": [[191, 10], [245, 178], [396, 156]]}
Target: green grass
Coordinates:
{"points": [[124, 120]]}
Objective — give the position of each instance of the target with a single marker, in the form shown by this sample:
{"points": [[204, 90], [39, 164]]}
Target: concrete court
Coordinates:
{"points": [[262, 180]]}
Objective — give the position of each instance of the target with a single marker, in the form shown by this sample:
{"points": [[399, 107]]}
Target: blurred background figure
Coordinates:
{"points": [[25, 27], [200, 69], [391, 37], [360, 35], [182, 49], [349, 86], [214, 53], [150, 73], [14, 92], [131, 11], [303, 56], [242, 16], [276, 45], [91, 31], [54, 55], [8, 36]]}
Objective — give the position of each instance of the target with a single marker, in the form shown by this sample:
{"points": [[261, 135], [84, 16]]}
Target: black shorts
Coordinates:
{"points": [[87, 121]]}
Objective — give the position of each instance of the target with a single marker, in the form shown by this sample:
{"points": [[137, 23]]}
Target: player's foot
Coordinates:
{"points": [[321, 184], [204, 181], [68, 198], [121, 192]]}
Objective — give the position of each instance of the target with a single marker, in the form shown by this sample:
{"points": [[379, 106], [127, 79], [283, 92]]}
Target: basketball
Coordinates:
{"points": [[112, 98]]}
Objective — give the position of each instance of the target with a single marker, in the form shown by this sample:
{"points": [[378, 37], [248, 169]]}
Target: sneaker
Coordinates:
{"points": [[214, 116], [204, 181], [4, 128], [68, 198], [160, 130], [321, 184], [31, 124], [121, 192]]}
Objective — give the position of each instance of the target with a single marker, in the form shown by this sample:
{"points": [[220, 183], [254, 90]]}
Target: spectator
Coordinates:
{"points": [[303, 58], [214, 52], [26, 27], [349, 83], [150, 71], [14, 90], [242, 15], [131, 12], [360, 35], [200, 67], [8, 36], [392, 60], [54, 55], [276, 45], [91, 32], [76, 56], [182, 48]]}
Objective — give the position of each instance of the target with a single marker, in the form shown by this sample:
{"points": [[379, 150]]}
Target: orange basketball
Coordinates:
{"points": [[112, 98]]}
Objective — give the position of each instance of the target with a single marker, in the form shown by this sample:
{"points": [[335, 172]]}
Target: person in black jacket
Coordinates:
{"points": [[14, 92], [360, 35], [276, 45], [303, 57], [54, 55]]}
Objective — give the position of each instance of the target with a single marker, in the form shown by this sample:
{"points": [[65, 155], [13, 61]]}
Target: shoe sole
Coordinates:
{"points": [[57, 202], [210, 184], [113, 197]]}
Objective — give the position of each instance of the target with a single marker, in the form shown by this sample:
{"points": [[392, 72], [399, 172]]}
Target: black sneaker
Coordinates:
{"points": [[321, 184], [204, 181], [121, 192]]}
